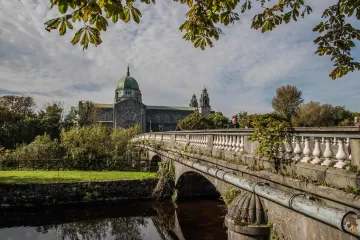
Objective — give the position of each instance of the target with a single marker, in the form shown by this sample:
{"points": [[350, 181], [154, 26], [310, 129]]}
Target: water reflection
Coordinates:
{"points": [[196, 219]]}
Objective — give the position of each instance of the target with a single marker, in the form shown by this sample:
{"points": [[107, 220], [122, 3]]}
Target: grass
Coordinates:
{"points": [[68, 176]]}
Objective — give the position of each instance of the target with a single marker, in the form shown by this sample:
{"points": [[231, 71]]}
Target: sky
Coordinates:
{"points": [[241, 72]]}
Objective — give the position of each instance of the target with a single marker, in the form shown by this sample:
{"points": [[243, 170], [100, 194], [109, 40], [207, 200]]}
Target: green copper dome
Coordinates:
{"points": [[128, 82]]}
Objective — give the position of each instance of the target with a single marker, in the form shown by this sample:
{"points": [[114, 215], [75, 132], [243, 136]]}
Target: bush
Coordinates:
{"points": [[85, 144], [38, 152]]}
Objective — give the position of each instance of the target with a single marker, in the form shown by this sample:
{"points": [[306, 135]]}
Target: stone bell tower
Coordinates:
{"points": [[205, 108], [193, 102]]}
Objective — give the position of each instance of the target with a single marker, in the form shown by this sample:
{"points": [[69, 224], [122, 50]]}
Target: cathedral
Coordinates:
{"points": [[128, 109]]}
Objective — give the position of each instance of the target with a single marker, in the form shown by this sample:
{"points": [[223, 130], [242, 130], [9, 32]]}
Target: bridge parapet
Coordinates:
{"points": [[330, 155]]}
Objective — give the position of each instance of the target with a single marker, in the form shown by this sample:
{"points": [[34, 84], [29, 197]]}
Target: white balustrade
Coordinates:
{"points": [[320, 148]]}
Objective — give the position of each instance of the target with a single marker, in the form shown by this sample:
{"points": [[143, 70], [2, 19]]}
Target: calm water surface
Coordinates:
{"points": [[191, 220]]}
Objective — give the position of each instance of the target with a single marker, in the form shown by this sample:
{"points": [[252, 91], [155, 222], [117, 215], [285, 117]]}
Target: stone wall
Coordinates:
{"points": [[167, 118], [76, 192]]}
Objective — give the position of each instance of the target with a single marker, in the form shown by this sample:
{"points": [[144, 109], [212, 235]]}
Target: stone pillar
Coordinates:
{"points": [[355, 147], [246, 218], [355, 152], [172, 141], [210, 140]]}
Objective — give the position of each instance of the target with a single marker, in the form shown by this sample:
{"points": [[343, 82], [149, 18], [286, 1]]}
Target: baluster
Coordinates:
{"points": [[226, 142], [306, 151], [242, 144], [222, 142], [341, 154], [348, 149], [233, 143], [297, 149], [205, 140], [328, 154], [317, 152], [215, 142], [289, 148], [229, 143], [237, 145]]}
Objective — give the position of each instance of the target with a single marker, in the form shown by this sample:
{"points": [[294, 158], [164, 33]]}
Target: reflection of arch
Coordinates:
{"points": [[194, 184], [154, 163]]}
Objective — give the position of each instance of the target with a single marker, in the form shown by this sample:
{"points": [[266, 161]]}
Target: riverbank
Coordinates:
{"points": [[40, 194], [69, 176]]}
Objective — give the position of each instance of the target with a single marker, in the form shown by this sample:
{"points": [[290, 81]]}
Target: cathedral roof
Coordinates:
{"points": [[128, 82], [171, 108]]}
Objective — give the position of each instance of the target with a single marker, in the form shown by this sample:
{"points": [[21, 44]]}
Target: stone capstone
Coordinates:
{"points": [[246, 215]]}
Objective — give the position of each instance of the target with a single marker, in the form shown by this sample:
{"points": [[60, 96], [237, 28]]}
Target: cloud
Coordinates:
{"points": [[241, 72]]}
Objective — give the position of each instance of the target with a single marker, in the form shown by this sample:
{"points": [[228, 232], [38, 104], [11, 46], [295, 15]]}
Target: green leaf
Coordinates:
{"points": [[69, 25], [127, 15], [135, 16], [85, 40], [62, 29], [63, 6], [77, 36]]}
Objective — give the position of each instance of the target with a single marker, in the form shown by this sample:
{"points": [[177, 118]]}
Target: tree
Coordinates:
{"points": [[18, 121], [87, 143], [313, 114], [217, 120], [51, 119], [342, 117], [20, 104], [287, 100], [336, 38], [194, 121], [70, 119], [86, 113]]}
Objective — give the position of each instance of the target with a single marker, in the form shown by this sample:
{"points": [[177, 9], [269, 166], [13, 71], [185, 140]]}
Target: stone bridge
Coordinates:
{"points": [[312, 192]]}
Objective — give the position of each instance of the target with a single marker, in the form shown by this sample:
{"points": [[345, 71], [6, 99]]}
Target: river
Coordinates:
{"points": [[190, 220]]}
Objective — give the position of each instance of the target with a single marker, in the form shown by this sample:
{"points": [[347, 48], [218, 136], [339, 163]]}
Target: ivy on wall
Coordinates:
{"points": [[271, 132]]}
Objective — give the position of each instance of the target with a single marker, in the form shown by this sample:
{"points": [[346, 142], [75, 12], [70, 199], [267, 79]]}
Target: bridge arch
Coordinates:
{"points": [[154, 163], [192, 183]]}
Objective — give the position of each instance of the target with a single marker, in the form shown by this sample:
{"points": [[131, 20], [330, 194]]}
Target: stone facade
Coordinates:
{"points": [[128, 109]]}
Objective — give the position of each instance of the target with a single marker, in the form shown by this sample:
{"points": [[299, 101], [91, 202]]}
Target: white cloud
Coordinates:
{"points": [[241, 72]]}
